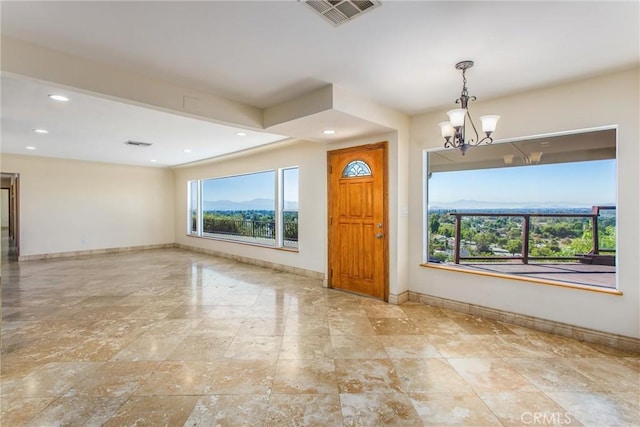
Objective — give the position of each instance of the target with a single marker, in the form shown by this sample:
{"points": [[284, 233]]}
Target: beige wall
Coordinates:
{"points": [[68, 205], [71, 206], [311, 159], [606, 100]]}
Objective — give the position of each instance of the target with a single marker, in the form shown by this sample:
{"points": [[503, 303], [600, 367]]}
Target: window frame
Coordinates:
{"points": [[426, 231], [198, 208], [282, 208], [278, 212]]}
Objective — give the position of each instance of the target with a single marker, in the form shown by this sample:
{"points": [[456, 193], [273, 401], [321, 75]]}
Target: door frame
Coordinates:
{"points": [[385, 208], [14, 208]]}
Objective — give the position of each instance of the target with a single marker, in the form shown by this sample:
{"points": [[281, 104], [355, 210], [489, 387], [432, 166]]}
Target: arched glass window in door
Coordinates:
{"points": [[356, 168]]}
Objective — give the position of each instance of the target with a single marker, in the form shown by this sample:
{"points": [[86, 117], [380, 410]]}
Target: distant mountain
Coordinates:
{"points": [[247, 205], [291, 205], [228, 205], [479, 204]]}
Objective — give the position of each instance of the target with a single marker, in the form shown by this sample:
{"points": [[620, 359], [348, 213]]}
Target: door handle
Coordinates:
{"points": [[379, 235]]}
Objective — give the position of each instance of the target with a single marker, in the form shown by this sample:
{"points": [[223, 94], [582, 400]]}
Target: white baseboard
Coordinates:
{"points": [[261, 263], [401, 298], [71, 254], [558, 328]]}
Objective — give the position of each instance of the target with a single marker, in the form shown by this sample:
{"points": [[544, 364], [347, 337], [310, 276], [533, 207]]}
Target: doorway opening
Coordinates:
{"points": [[9, 215]]}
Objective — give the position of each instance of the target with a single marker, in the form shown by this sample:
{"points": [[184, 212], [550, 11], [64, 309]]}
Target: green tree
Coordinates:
{"points": [[442, 257], [542, 251], [434, 224], [514, 246], [608, 237], [582, 245], [448, 230], [483, 242]]}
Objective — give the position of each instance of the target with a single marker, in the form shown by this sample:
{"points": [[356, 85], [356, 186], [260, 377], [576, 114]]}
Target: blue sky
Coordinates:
{"points": [[243, 188], [588, 183], [240, 188], [291, 185]]}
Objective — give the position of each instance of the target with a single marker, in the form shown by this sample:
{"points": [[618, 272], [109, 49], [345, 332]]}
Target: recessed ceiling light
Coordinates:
{"points": [[329, 132], [153, 160], [60, 98], [186, 150], [28, 147], [241, 134], [41, 131]]}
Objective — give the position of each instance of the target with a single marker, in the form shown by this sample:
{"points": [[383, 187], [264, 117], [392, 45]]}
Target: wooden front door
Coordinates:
{"points": [[358, 220]]}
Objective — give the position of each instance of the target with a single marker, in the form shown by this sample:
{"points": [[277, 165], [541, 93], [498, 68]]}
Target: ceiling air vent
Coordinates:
{"points": [[137, 143], [340, 11]]}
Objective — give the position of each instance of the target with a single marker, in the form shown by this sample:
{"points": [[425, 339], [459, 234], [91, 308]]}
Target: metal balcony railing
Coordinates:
{"points": [[525, 256], [258, 230]]}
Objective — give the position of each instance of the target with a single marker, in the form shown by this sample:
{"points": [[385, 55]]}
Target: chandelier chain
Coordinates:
{"points": [[464, 83]]}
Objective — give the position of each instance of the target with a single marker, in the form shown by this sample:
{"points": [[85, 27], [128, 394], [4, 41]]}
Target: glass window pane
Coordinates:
{"points": [[290, 188], [290, 205], [356, 168], [193, 207], [240, 207], [507, 207]]}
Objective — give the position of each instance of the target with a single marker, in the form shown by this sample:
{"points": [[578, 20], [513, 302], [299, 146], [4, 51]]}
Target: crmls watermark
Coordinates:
{"points": [[546, 418]]}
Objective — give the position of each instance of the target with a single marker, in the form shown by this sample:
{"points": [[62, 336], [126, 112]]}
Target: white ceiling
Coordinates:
{"points": [[261, 53], [93, 128], [595, 144]]}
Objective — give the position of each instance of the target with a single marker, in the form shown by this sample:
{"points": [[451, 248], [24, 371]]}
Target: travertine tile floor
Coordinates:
{"points": [[170, 337]]}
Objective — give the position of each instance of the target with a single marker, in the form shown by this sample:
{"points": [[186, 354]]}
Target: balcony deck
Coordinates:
{"points": [[576, 273]]}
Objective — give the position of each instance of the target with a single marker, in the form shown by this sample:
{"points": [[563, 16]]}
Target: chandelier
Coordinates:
{"points": [[454, 131]]}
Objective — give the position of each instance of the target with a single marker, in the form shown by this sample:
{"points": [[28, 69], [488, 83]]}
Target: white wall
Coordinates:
{"points": [[606, 100], [69, 205], [312, 223], [72, 206], [311, 158]]}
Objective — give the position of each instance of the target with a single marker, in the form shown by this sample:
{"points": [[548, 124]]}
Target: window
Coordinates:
{"points": [[194, 209], [290, 207], [253, 208], [540, 208], [356, 168]]}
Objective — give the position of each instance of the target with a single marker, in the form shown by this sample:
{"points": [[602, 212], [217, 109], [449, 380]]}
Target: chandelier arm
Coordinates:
{"points": [[486, 140], [473, 125]]}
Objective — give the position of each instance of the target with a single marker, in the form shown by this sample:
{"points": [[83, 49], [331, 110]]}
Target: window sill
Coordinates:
{"points": [[547, 282], [240, 242]]}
